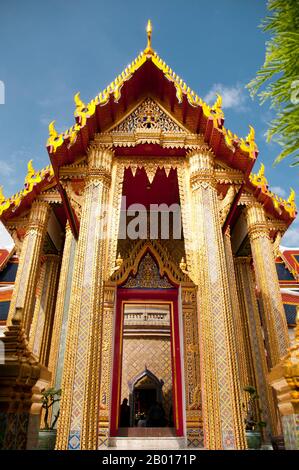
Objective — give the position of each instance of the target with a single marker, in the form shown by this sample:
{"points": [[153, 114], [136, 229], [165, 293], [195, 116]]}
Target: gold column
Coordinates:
{"points": [[221, 394], [244, 357], [276, 330], [60, 304], [107, 349], [34, 331], [78, 422], [52, 276], [29, 264], [192, 368], [254, 342], [41, 326]]}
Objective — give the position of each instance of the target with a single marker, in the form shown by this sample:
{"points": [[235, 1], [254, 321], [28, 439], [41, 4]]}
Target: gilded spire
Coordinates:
{"points": [[149, 30]]}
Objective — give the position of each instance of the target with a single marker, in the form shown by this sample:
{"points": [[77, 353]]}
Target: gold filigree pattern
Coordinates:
{"points": [[148, 276], [148, 116]]}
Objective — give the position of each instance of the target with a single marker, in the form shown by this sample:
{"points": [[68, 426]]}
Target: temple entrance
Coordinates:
{"points": [[146, 392], [147, 369], [147, 378]]}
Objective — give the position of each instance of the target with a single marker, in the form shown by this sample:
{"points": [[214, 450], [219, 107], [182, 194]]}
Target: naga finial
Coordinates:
{"points": [[78, 102], [292, 196], [149, 30], [218, 102], [52, 131], [261, 172], [251, 135], [30, 172], [259, 179], [2, 197]]}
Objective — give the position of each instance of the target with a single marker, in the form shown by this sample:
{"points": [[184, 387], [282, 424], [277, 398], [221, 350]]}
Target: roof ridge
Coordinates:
{"points": [[85, 110], [31, 180]]}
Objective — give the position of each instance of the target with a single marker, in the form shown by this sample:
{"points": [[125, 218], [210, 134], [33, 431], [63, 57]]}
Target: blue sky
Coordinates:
{"points": [[49, 50]]}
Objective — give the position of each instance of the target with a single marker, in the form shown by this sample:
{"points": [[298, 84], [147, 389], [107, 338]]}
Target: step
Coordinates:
{"points": [[139, 443], [146, 432]]}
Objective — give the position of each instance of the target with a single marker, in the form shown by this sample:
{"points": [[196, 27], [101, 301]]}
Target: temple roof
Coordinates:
{"points": [[290, 259], [34, 183], [5, 256], [149, 75]]}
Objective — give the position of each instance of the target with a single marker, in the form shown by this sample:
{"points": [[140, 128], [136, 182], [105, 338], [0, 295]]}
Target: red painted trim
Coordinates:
{"points": [[69, 211], [232, 209], [165, 295]]}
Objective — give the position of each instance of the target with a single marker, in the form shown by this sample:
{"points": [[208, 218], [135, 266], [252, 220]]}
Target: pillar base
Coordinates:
{"points": [[18, 374]]}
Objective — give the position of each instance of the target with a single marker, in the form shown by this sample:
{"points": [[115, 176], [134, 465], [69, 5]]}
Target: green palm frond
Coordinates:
{"points": [[278, 79]]}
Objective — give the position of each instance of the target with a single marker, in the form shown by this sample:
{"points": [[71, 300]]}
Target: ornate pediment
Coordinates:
{"points": [[148, 276], [149, 123], [148, 116]]}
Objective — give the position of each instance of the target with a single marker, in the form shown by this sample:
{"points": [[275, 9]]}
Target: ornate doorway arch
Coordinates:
{"points": [[147, 381], [163, 286]]}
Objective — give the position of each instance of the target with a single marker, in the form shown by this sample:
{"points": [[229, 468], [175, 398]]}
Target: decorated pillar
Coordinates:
{"points": [[80, 403], [221, 394], [107, 348], [284, 378], [257, 366], [29, 264], [61, 309], [42, 322], [246, 372], [275, 324], [193, 401], [50, 295]]}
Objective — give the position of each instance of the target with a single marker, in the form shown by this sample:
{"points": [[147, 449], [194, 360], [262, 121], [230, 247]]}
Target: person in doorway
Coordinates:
{"points": [[124, 421], [156, 416]]}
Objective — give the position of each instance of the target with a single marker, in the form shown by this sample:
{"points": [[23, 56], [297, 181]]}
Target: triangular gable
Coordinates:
{"points": [[149, 115]]}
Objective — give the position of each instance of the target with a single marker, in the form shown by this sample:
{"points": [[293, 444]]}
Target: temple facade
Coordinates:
{"points": [[145, 269]]}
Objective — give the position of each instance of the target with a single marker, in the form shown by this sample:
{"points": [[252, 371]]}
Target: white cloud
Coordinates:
{"points": [[232, 96], [6, 169], [45, 121], [279, 191], [291, 237], [5, 239]]}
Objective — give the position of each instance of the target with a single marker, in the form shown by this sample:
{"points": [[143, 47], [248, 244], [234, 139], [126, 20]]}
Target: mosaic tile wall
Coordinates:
{"points": [[155, 354]]}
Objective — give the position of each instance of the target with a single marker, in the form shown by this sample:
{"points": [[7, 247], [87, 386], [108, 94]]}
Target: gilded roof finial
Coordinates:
{"points": [[149, 30], [2, 197], [292, 196]]}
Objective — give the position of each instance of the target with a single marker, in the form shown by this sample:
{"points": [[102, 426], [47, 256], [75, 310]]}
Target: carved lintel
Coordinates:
{"points": [[75, 195], [226, 202]]}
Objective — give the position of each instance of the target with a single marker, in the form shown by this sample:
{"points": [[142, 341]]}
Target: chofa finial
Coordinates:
{"points": [[149, 30]]}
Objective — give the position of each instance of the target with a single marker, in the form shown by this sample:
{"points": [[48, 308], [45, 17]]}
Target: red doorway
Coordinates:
{"points": [[169, 296]]}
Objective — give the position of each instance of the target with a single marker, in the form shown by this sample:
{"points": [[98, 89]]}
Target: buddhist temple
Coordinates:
{"points": [[147, 274]]}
